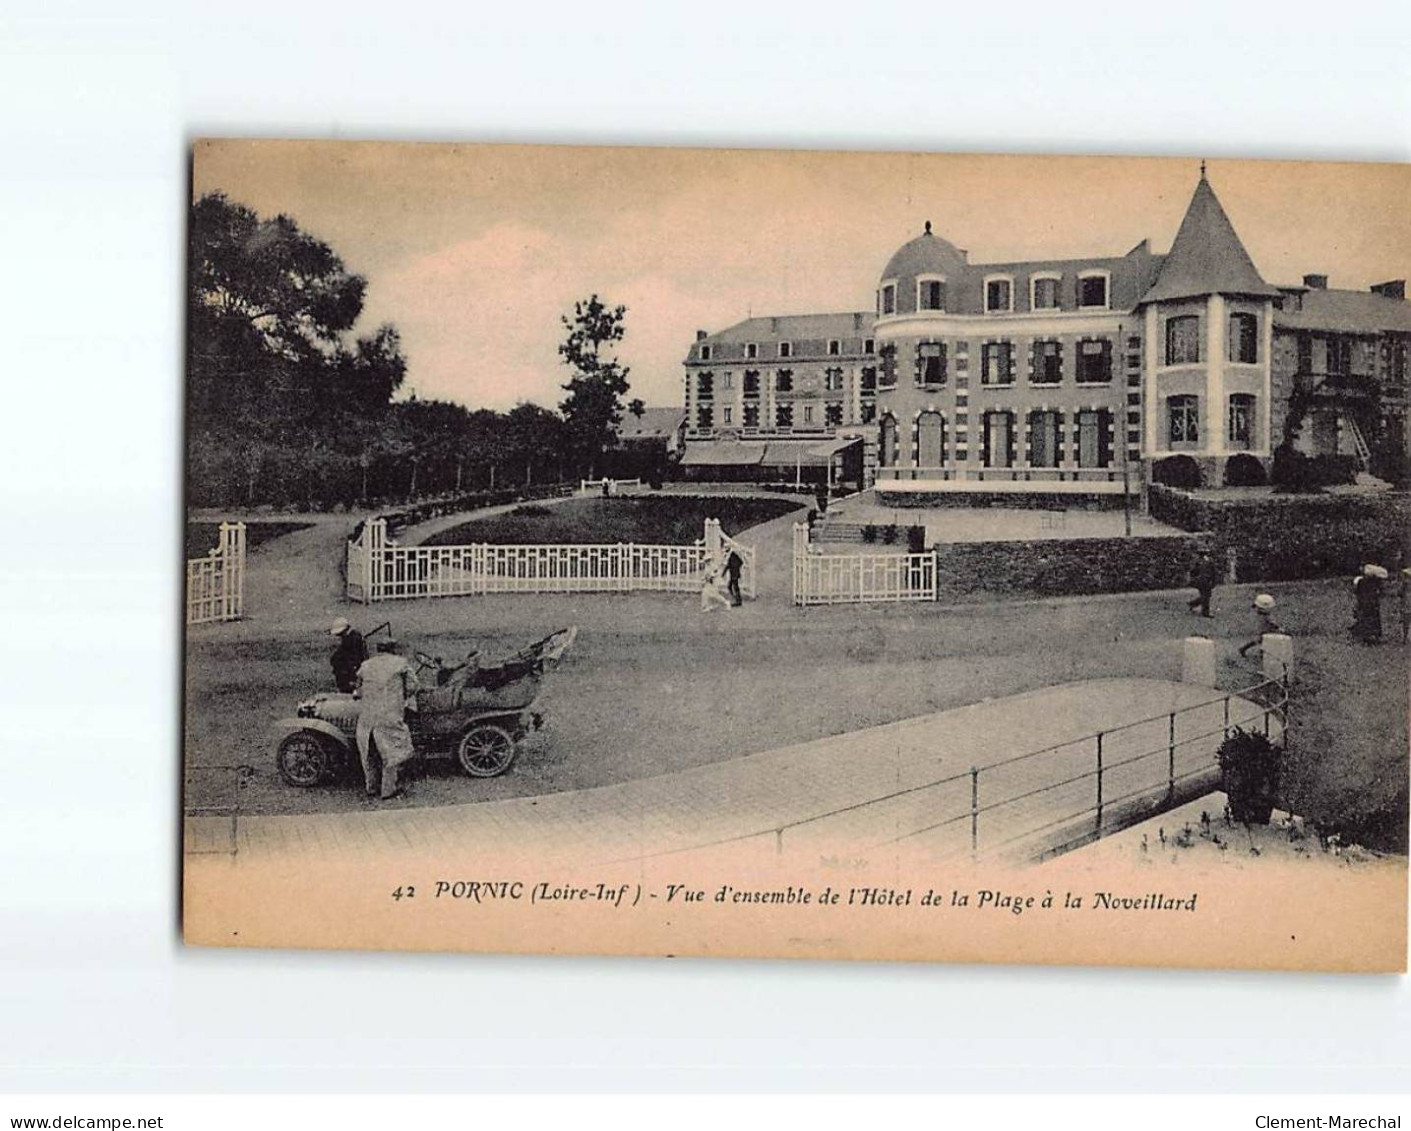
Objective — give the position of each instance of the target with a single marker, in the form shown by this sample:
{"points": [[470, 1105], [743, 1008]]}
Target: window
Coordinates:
{"points": [[869, 379], [835, 347], [1241, 422], [998, 439], [1043, 438], [931, 364], [833, 413], [1046, 292], [727, 381], [1093, 447], [751, 351], [999, 296], [725, 414], [784, 381], [705, 353], [1305, 352], [1094, 361], [887, 446], [786, 349], [1244, 338], [705, 417], [869, 413], [1339, 357], [705, 385], [889, 299], [751, 382], [887, 379], [1092, 291], [751, 416], [996, 364], [1183, 419], [1048, 363], [784, 416], [930, 294], [833, 380], [867, 345], [808, 414], [1183, 340]]}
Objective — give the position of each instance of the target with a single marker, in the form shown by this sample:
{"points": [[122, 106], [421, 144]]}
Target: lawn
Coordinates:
{"points": [[671, 520], [202, 537]]}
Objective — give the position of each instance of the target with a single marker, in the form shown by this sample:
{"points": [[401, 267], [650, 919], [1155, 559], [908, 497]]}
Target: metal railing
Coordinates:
{"points": [[1121, 771]]}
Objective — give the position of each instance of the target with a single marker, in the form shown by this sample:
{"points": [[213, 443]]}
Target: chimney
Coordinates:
{"points": [[857, 321], [1316, 282], [1394, 288], [701, 335]]}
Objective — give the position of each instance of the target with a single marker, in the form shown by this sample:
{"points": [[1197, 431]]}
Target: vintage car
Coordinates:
{"points": [[476, 712]]}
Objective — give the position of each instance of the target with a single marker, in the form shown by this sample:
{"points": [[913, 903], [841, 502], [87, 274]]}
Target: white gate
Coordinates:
{"points": [[845, 579], [215, 584], [380, 570]]}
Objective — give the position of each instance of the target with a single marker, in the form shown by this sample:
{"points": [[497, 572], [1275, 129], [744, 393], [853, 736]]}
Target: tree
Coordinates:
{"points": [[593, 408], [270, 314]]}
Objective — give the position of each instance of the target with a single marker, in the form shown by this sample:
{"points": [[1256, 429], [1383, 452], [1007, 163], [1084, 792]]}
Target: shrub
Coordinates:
{"points": [[1177, 471], [869, 534], [530, 510], [1250, 764], [889, 533], [1244, 471], [916, 539]]}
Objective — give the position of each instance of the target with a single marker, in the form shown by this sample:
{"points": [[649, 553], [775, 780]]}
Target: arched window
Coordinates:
{"points": [[930, 440], [888, 450]]}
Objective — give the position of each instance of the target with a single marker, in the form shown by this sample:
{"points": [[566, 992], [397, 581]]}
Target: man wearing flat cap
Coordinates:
{"points": [[348, 656]]}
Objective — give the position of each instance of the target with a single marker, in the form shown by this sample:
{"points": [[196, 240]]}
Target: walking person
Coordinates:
{"points": [[1205, 575], [710, 592], [348, 656], [387, 689], [1265, 624], [1367, 589], [733, 565]]}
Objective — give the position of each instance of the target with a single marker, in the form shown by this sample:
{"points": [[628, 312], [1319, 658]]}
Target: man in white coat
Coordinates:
{"points": [[387, 688]]}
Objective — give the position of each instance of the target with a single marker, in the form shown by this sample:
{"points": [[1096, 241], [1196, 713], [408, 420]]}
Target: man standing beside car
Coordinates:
{"points": [[387, 689], [348, 656]]}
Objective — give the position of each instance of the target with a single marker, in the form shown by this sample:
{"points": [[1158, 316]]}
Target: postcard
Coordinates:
{"points": [[829, 555]]}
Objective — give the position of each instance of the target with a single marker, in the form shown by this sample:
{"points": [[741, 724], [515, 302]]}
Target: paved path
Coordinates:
{"points": [[865, 790]]}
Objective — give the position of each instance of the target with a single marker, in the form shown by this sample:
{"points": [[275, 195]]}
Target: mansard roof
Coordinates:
{"points": [[1206, 256]]}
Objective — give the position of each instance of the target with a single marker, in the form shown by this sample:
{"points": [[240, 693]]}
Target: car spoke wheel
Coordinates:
{"points": [[485, 750], [303, 760]]}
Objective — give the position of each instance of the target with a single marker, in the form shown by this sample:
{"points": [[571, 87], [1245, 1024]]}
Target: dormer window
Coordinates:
{"points": [[888, 300], [930, 293], [751, 351], [1044, 293], [786, 349], [999, 295], [1092, 290], [835, 347], [705, 353]]}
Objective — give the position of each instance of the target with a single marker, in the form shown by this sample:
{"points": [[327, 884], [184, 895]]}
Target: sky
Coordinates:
{"points": [[474, 252]]}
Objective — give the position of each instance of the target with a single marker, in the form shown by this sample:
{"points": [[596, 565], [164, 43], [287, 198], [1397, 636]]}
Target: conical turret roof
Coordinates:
{"points": [[1206, 256]]}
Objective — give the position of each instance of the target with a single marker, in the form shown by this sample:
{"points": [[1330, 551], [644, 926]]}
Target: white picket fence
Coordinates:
{"points": [[215, 584], [847, 579], [380, 570], [613, 486]]}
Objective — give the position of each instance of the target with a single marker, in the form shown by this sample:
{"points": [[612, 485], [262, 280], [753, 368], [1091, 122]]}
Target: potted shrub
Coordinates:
{"points": [[889, 533], [1249, 764], [869, 533]]}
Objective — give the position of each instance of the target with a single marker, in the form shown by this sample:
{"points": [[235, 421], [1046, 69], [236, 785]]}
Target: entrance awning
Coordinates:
{"points": [[706, 453], [806, 453]]}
